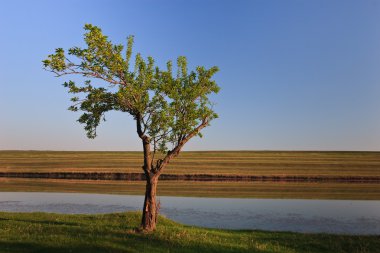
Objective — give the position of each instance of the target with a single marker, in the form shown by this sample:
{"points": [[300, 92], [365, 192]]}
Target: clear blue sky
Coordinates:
{"points": [[295, 75]]}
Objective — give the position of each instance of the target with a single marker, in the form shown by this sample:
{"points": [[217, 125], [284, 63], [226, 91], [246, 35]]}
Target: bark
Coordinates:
{"points": [[152, 173], [150, 210]]}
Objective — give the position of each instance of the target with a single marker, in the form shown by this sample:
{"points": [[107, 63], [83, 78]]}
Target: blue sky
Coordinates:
{"points": [[295, 75]]}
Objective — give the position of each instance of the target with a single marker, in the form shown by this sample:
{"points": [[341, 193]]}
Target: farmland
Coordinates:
{"points": [[244, 163], [259, 163]]}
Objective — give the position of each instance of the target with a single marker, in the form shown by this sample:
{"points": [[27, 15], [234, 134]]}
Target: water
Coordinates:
{"points": [[327, 216]]}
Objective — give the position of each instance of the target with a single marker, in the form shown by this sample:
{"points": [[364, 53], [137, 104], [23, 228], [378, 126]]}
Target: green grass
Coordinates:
{"points": [[288, 190], [43, 232], [261, 163]]}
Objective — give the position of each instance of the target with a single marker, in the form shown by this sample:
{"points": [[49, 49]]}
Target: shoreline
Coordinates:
{"points": [[189, 177]]}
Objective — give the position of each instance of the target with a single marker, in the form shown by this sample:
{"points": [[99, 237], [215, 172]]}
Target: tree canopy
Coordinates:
{"points": [[169, 108]]}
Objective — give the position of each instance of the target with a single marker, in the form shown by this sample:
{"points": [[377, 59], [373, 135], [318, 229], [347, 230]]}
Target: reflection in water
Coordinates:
{"points": [[330, 216]]}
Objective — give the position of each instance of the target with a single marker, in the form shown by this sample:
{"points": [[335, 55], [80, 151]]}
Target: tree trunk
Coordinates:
{"points": [[150, 210]]}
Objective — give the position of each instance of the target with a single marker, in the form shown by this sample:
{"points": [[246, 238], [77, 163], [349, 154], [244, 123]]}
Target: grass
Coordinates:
{"points": [[43, 232], [288, 190], [260, 163]]}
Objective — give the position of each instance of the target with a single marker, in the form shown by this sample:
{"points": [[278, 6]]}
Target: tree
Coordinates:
{"points": [[168, 109]]}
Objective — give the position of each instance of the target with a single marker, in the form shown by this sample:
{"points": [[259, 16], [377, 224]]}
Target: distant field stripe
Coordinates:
{"points": [[290, 190], [259, 163]]}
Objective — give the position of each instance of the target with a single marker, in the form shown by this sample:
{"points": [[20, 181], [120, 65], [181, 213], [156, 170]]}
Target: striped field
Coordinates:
{"points": [[256, 163], [260, 163]]}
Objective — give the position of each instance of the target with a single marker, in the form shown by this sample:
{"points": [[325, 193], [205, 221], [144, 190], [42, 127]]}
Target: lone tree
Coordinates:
{"points": [[168, 109]]}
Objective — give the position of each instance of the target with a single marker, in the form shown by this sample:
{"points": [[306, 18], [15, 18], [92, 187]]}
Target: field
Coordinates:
{"points": [[256, 163], [281, 190], [42, 232], [259, 163]]}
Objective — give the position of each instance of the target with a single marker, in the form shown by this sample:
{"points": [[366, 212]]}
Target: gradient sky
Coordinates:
{"points": [[295, 75]]}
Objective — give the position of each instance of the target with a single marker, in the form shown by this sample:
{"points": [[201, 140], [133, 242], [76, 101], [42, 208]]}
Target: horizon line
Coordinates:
{"points": [[211, 150]]}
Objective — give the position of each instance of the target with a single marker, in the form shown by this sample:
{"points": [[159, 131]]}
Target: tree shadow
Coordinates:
{"points": [[58, 223], [133, 244], [22, 247]]}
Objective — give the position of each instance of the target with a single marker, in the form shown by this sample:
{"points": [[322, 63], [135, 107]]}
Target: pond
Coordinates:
{"points": [[327, 216]]}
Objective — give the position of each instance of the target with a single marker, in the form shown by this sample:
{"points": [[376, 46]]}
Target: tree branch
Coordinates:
{"points": [[175, 151], [146, 145], [92, 74]]}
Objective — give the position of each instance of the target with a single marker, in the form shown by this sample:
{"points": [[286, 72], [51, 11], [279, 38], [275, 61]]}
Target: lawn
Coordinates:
{"points": [[44, 232]]}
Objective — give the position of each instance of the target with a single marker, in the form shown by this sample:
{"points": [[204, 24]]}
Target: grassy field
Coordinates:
{"points": [[288, 190], [43, 232], [261, 163]]}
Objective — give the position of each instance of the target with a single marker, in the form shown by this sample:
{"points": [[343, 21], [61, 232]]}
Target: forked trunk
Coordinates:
{"points": [[150, 210]]}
